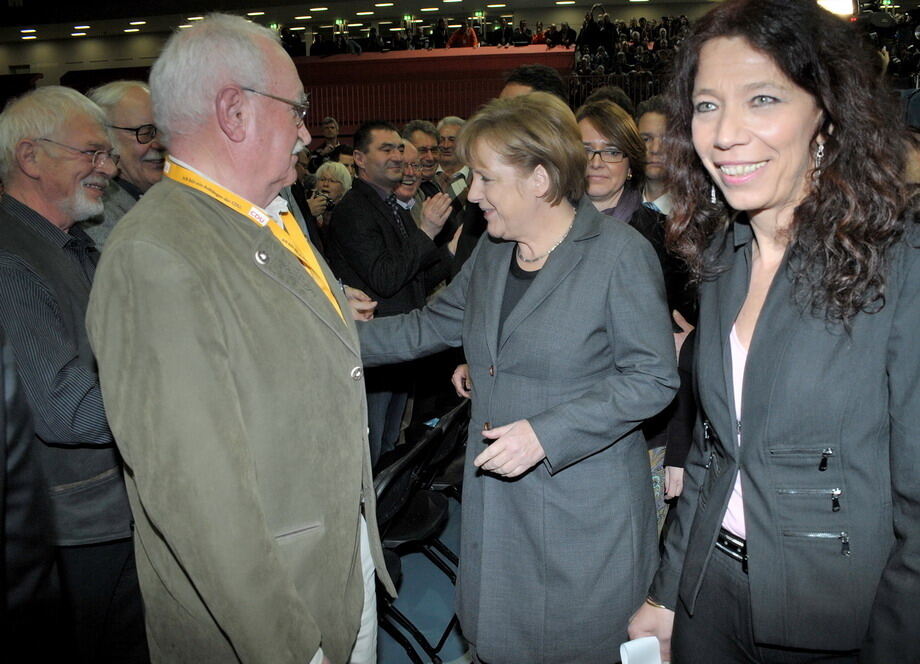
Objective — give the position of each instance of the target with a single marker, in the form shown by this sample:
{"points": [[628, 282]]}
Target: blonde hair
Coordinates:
{"points": [[536, 129], [336, 171]]}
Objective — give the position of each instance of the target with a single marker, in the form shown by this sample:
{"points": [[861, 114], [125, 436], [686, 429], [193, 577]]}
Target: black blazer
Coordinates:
{"points": [[366, 250], [829, 462]]}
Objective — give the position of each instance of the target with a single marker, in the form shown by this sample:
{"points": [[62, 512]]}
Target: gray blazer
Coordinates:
{"points": [[554, 562], [823, 410]]}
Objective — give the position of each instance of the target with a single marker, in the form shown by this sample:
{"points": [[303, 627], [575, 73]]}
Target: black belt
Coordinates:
{"points": [[734, 547]]}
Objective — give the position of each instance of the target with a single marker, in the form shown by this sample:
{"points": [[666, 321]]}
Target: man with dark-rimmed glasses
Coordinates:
{"points": [[130, 124], [56, 160]]}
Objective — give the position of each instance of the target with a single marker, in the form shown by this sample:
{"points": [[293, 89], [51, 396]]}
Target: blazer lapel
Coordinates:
{"points": [[730, 294], [282, 266], [492, 267]]}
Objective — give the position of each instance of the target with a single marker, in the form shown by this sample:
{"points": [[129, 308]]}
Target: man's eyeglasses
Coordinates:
{"points": [[608, 155], [144, 134], [300, 108], [99, 157]]}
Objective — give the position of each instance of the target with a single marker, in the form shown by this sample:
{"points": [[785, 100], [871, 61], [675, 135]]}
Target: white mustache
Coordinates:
{"points": [[154, 155], [98, 180], [298, 146]]}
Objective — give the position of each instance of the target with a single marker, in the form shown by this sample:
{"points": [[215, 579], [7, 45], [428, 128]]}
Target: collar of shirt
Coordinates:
{"points": [[383, 193], [130, 188], [75, 237], [405, 205], [661, 204], [276, 208]]}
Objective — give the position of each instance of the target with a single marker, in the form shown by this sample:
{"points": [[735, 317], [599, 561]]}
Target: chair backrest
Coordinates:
{"points": [[395, 483]]}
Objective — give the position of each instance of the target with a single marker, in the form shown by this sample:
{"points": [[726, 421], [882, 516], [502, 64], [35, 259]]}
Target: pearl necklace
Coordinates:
{"points": [[551, 249]]}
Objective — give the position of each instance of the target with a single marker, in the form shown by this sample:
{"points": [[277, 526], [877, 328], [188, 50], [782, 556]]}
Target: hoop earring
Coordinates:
{"points": [[712, 193]]}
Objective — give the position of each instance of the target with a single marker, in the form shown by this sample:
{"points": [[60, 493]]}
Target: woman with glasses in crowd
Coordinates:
{"points": [[616, 169], [797, 536], [563, 320]]}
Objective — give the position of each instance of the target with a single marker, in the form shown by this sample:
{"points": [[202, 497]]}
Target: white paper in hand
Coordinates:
{"points": [[641, 651]]}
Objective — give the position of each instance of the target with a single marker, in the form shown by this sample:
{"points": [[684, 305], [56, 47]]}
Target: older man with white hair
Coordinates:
{"points": [[56, 161], [233, 374], [130, 121]]}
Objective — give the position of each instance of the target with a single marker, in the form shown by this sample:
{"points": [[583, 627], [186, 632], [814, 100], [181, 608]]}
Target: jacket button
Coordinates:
{"points": [[261, 257], [491, 369], [487, 426], [356, 373]]}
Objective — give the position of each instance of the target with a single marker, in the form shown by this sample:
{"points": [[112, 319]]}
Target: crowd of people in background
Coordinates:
{"points": [[206, 360]]}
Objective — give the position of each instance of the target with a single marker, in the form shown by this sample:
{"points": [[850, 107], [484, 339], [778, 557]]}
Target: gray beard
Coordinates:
{"points": [[81, 207]]}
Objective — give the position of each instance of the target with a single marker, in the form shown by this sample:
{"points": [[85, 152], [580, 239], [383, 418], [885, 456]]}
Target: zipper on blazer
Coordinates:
{"points": [[833, 493], [843, 536], [826, 454]]}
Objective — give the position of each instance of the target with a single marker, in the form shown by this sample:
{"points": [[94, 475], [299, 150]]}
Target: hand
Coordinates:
{"points": [[673, 481], [362, 306], [685, 330], [435, 211], [516, 450], [461, 380], [652, 621], [317, 204]]}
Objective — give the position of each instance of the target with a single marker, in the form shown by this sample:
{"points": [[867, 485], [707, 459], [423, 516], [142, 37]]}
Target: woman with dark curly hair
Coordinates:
{"points": [[797, 538]]}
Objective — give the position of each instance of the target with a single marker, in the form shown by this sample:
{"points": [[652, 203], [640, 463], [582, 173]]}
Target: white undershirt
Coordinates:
{"points": [[734, 515]]}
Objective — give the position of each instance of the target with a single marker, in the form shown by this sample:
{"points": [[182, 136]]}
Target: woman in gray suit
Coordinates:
{"points": [[561, 313], [797, 537]]}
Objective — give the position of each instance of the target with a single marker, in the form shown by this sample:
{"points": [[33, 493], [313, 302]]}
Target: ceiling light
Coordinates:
{"points": [[429, 9], [839, 7], [364, 13], [255, 13], [496, 6], [136, 23], [185, 25], [319, 9], [132, 29], [384, 22], [77, 34], [196, 18], [81, 27], [451, 1], [383, 4], [27, 30], [565, 2], [299, 27], [454, 25], [327, 26], [29, 37], [302, 18], [355, 25]]}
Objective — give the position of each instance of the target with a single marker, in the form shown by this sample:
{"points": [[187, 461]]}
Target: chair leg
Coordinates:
{"points": [[445, 551], [401, 639], [440, 564], [447, 630], [414, 631]]}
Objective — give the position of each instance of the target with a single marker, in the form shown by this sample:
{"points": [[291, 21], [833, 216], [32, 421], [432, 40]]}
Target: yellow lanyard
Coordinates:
{"points": [[290, 235]]}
